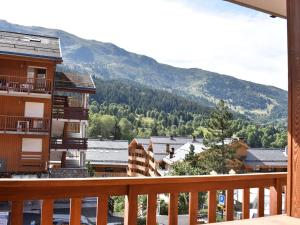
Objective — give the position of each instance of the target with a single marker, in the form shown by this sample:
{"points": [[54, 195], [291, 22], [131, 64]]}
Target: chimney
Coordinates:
{"points": [[194, 138], [168, 148], [172, 153]]}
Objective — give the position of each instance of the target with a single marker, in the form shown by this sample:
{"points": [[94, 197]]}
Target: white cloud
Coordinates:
{"points": [[247, 46]]}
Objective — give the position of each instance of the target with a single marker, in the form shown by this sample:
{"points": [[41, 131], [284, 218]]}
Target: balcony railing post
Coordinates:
{"points": [[173, 209], [276, 198], [131, 206], [17, 213], [229, 205], [151, 209], [193, 208], [261, 202], [102, 210], [47, 212], [212, 204], [246, 203], [75, 211]]}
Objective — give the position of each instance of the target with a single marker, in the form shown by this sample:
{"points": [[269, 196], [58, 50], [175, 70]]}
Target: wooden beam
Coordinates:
{"points": [[246, 203], [131, 207], [229, 205], [293, 189], [276, 199], [75, 211], [261, 202], [151, 209], [47, 212], [102, 210], [17, 213]]}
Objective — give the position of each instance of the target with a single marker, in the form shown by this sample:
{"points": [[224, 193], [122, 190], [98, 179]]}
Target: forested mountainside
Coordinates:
{"points": [[107, 61]]}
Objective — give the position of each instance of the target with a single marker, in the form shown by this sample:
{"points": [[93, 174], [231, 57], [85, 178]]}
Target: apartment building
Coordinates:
{"points": [[27, 70]]}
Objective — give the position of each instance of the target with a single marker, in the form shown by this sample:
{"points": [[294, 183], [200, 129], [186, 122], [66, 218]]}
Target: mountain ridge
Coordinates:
{"points": [[107, 61]]}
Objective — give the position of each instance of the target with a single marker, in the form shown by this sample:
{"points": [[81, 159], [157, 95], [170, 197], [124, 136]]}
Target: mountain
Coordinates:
{"points": [[107, 61]]}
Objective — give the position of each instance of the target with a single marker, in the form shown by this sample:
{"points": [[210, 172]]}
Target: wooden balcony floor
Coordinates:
{"points": [[271, 220]]}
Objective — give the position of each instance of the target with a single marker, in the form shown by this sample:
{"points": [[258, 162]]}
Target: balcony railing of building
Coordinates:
{"points": [[73, 113], [69, 143], [21, 124], [25, 85], [18, 191]]}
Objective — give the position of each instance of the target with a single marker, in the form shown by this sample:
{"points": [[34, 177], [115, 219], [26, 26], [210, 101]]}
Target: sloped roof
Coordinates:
{"points": [[29, 45], [107, 152], [74, 81], [266, 157], [273, 7]]}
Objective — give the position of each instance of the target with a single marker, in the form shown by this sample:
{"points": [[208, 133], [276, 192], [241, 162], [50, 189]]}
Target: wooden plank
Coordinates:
{"points": [[17, 213], [246, 203], [261, 202], [173, 209], [151, 209], [193, 208], [229, 205], [131, 207], [212, 204], [47, 212], [276, 199], [75, 211], [102, 210], [293, 190]]}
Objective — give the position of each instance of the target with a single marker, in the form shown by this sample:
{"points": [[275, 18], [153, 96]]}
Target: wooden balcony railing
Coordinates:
{"points": [[18, 191], [74, 113], [24, 124], [69, 143], [25, 85]]}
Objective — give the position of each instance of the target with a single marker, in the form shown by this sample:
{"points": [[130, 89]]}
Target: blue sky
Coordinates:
{"points": [[209, 34]]}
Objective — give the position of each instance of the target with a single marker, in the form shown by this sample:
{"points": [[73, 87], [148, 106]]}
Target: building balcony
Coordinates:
{"points": [[18, 191], [24, 125], [23, 86], [68, 143], [70, 113]]}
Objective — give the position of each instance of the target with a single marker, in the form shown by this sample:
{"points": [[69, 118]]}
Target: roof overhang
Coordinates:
{"points": [[272, 7]]}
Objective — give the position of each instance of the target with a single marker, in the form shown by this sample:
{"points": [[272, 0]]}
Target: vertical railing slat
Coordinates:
{"points": [[131, 207], [17, 213], [173, 209], [276, 198], [151, 209], [75, 211], [229, 205], [102, 210], [193, 208], [212, 206], [246, 203], [261, 202], [47, 212]]}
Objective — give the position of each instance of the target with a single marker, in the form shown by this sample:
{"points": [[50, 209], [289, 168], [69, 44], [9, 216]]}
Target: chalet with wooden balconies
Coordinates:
{"points": [[70, 119], [27, 70]]}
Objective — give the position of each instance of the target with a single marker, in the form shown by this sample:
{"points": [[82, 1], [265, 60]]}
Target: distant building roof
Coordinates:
{"points": [[182, 151], [259, 157], [107, 152], [74, 81], [29, 45]]}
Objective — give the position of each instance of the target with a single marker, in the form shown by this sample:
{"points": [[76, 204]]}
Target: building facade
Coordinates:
{"points": [[27, 70]]}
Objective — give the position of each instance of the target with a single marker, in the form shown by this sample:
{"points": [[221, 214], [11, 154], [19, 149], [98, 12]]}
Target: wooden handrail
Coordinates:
{"points": [[18, 190]]}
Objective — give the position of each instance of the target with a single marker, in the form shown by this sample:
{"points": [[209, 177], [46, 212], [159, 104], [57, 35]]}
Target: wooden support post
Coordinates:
{"points": [[293, 187], [102, 210], [151, 209], [173, 209], [193, 208], [131, 206], [229, 205], [17, 213], [75, 211], [212, 204], [246, 203], [276, 198], [47, 212], [261, 202]]}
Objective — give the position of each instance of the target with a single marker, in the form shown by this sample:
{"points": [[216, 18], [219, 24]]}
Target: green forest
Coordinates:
{"points": [[123, 111]]}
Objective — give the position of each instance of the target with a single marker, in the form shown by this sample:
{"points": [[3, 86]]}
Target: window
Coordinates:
{"points": [[34, 109], [32, 145]]}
